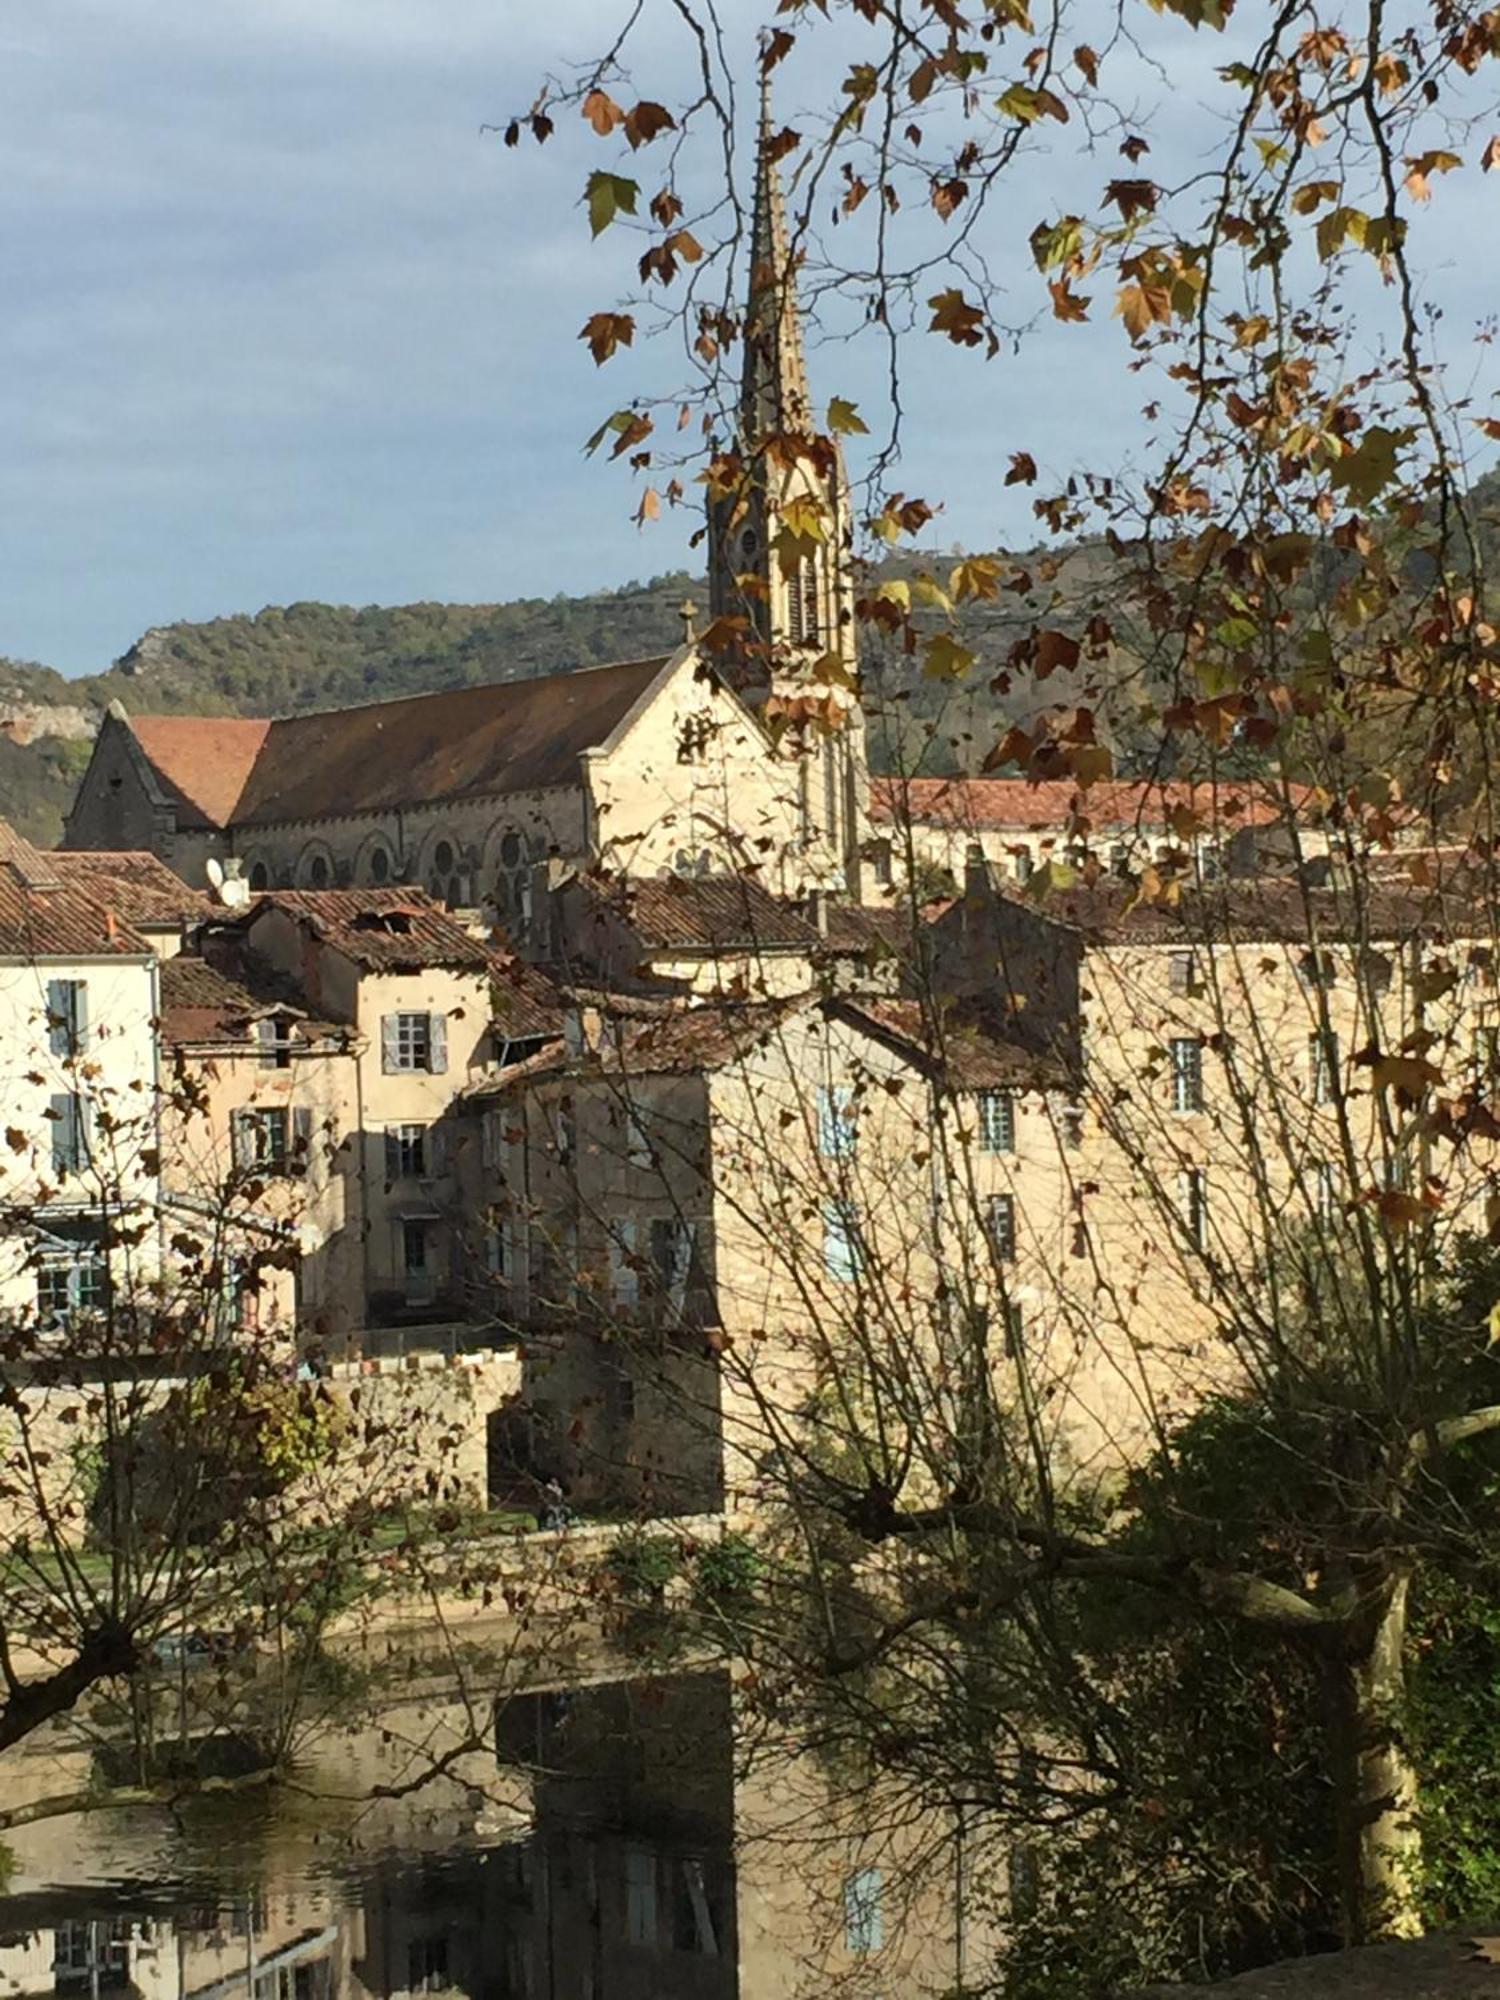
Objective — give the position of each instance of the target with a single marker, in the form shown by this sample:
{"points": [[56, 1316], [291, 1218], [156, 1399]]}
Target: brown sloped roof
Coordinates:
{"points": [[43, 916], [510, 736], [142, 888], [526, 1005], [201, 1004], [1018, 804], [380, 930], [202, 761], [968, 1057], [1274, 909], [703, 913]]}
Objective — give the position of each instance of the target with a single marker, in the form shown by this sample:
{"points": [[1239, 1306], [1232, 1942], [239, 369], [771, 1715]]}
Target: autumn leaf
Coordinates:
{"points": [[609, 195], [605, 332], [1066, 304], [952, 314], [844, 419], [649, 509], [1421, 167], [601, 111], [977, 576], [1132, 197], [17, 1141], [1088, 62], [1054, 651], [1022, 469], [1054, 243], [1142, 307], [947, 195], [647, 122], [1365, 471], [1490, 157], [1026, 104], [945, 658]]}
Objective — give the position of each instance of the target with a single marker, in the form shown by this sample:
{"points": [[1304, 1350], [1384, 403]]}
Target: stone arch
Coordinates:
{"points": [[510, 853], [445, 868], [258, 875], [376, 864], [316, 867]]}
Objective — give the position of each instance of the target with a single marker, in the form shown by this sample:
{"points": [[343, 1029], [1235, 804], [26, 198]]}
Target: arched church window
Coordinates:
{"points": [[511, 851], [692, 862], [442, 857], [802, 602], [380, 865], [319, 874], [260, 878]]}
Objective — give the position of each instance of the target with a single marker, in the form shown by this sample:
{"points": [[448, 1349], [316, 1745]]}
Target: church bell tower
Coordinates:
{"points": [[780, 534]]}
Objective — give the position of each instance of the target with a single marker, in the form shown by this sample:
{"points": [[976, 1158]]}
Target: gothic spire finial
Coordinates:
{"points": [[774, 395]]}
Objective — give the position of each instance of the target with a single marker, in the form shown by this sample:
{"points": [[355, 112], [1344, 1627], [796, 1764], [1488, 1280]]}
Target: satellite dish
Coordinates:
{"points": [[215, 871]]}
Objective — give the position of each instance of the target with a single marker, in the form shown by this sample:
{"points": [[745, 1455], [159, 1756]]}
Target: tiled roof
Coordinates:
{"points": [[43, 916], [201, 1004], [140, 887], [380, 930], [203, 761], [1018, 805], [1275, 909], [703, 913], [965, 1055], [526, 1005], [685, 1041], [511, 736]]}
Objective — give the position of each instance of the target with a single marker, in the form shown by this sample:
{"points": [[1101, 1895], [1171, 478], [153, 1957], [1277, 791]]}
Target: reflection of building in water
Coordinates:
{"points": [[654, 1863]]}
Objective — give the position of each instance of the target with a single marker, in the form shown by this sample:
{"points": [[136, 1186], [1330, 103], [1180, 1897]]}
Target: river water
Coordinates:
{"points": [[620, 1840]]}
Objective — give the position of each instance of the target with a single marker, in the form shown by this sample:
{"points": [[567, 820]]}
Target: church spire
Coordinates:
{"points": [[773, 395]]}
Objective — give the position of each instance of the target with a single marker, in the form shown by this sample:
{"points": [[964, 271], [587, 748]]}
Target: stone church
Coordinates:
{"points": [[741, 750]]}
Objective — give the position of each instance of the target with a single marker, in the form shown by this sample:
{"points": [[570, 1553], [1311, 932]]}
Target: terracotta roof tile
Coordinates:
{"points": [[203, 761], [140, 887], [702, 913], [381, 930], [967, 1057], [199, 1003], [60, 923], [1016, 804]]}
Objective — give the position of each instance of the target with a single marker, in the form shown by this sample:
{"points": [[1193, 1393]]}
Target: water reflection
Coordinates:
{"points": [[625, 1848]]}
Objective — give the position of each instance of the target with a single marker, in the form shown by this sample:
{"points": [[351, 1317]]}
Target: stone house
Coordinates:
{"points": [[938, 825], [78, 1004], [698, 1214], [380, 1010]]}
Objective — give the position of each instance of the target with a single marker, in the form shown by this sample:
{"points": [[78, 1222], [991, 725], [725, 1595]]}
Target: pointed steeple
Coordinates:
{"points": [[773, 395]]}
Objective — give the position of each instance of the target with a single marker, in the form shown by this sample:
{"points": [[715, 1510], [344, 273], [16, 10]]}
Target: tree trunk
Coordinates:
{"points": [[1376, 1788]]}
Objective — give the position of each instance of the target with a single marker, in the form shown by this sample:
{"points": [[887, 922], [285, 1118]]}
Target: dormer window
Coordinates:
{"points": [[274, 1034]]}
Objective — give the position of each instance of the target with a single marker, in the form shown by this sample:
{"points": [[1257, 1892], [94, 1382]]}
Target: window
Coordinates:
{"points": [[406, 1152], [1192, 1201], [1013, 1326], [1327, 1182], [693, 1925], [1072, 1126], [260, 878], [69, 1115], [67, 1016], [864, 1927], [1323, 1065], [380, 865], [1000, 1223], [624, 1268], [694, 737], [842, 1253], [1187, 1073], [881, 865], [69, 1282], [997, 1121], [260, 1139], [414, 1042], [416, 1268], [427, 1965], [319, 874], [1316, 969], [1024, 864], [640, 1895], [274, 1035], [1182, 971], [672, 1248], [802, 602], [837, 1131]]}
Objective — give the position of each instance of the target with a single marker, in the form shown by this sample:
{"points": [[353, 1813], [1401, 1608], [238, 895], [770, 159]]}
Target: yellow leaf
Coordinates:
{"points": [[975, 576], [844, 420], [945, 659], [927, 590]]}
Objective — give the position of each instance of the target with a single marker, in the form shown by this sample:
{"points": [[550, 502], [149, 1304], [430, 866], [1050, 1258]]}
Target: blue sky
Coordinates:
{"points": [[280, 322]]}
